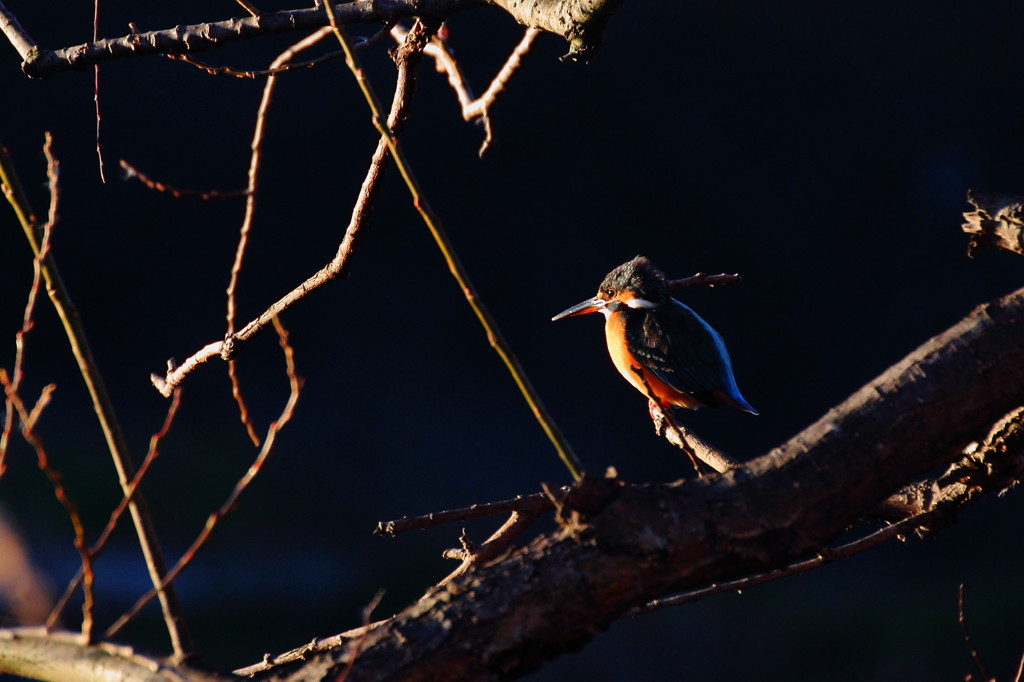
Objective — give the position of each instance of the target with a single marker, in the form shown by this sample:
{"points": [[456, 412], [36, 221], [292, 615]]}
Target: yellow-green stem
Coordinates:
{"points": [[73, 328], [419, 201]]}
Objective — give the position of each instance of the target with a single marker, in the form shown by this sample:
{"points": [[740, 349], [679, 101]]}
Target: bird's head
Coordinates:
{"points": [[636, 284]]}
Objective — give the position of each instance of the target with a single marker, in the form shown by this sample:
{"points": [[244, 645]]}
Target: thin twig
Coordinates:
{"points": [[250, 210], [27, 323], [476, 107], [133, 172], [825, 557], [535, 503], [248, 7], [77, 339], [239, 73], [702, 280], [115, 515], [295, 384], [407, 63], [961, 618], [316, 645], [357, 647], [495, 545], [490, 325], [96, 88], [28, 433]]}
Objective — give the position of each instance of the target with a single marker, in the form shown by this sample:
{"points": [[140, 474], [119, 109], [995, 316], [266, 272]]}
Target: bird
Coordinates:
{"points": [[659, 345]]}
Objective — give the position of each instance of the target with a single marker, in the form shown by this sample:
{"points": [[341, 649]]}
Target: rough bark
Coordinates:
{"points": [[62, 657]]}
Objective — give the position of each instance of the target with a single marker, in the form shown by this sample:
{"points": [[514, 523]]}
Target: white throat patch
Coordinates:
{"points": [[638, 303]]}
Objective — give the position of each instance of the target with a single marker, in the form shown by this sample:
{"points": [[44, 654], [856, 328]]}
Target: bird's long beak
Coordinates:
{"points": [[591, 305]]}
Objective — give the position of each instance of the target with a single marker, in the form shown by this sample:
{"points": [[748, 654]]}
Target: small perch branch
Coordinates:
{"points": [[689, 442], [702, 280]]}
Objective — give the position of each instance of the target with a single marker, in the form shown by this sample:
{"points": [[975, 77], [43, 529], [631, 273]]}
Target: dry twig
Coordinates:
{"points": [[295, 384], [133, 172], [475, 107], [702, 280], [115, 515], [961, 618], [339, 265], [250, 210]]}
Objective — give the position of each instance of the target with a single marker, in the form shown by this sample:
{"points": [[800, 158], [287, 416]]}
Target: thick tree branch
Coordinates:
{"points": [[193, 38], [581, 22], [62, 657], [636, 543]]}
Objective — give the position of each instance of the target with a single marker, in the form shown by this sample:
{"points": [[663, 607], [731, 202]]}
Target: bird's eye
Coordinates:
{"points": [[609, 292]]}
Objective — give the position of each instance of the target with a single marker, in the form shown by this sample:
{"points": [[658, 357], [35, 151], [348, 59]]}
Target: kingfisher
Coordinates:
{"points": [[660, 346]]}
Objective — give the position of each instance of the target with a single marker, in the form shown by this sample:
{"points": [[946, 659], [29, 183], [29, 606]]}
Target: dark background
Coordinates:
{"points": [[821, 151]]}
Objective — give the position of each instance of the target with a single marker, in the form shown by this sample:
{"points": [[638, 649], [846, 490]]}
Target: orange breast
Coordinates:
{"points": [[634, 372]]}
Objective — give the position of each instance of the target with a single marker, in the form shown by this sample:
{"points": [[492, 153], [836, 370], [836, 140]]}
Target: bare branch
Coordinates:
{"points": [[133, 172], [21, 337], [459, 273], [407, 61], [828, 556], [70, 507], [581, 22], [207, 36], [702, 280], [475, 107], [535, 503], [499, 541]]}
